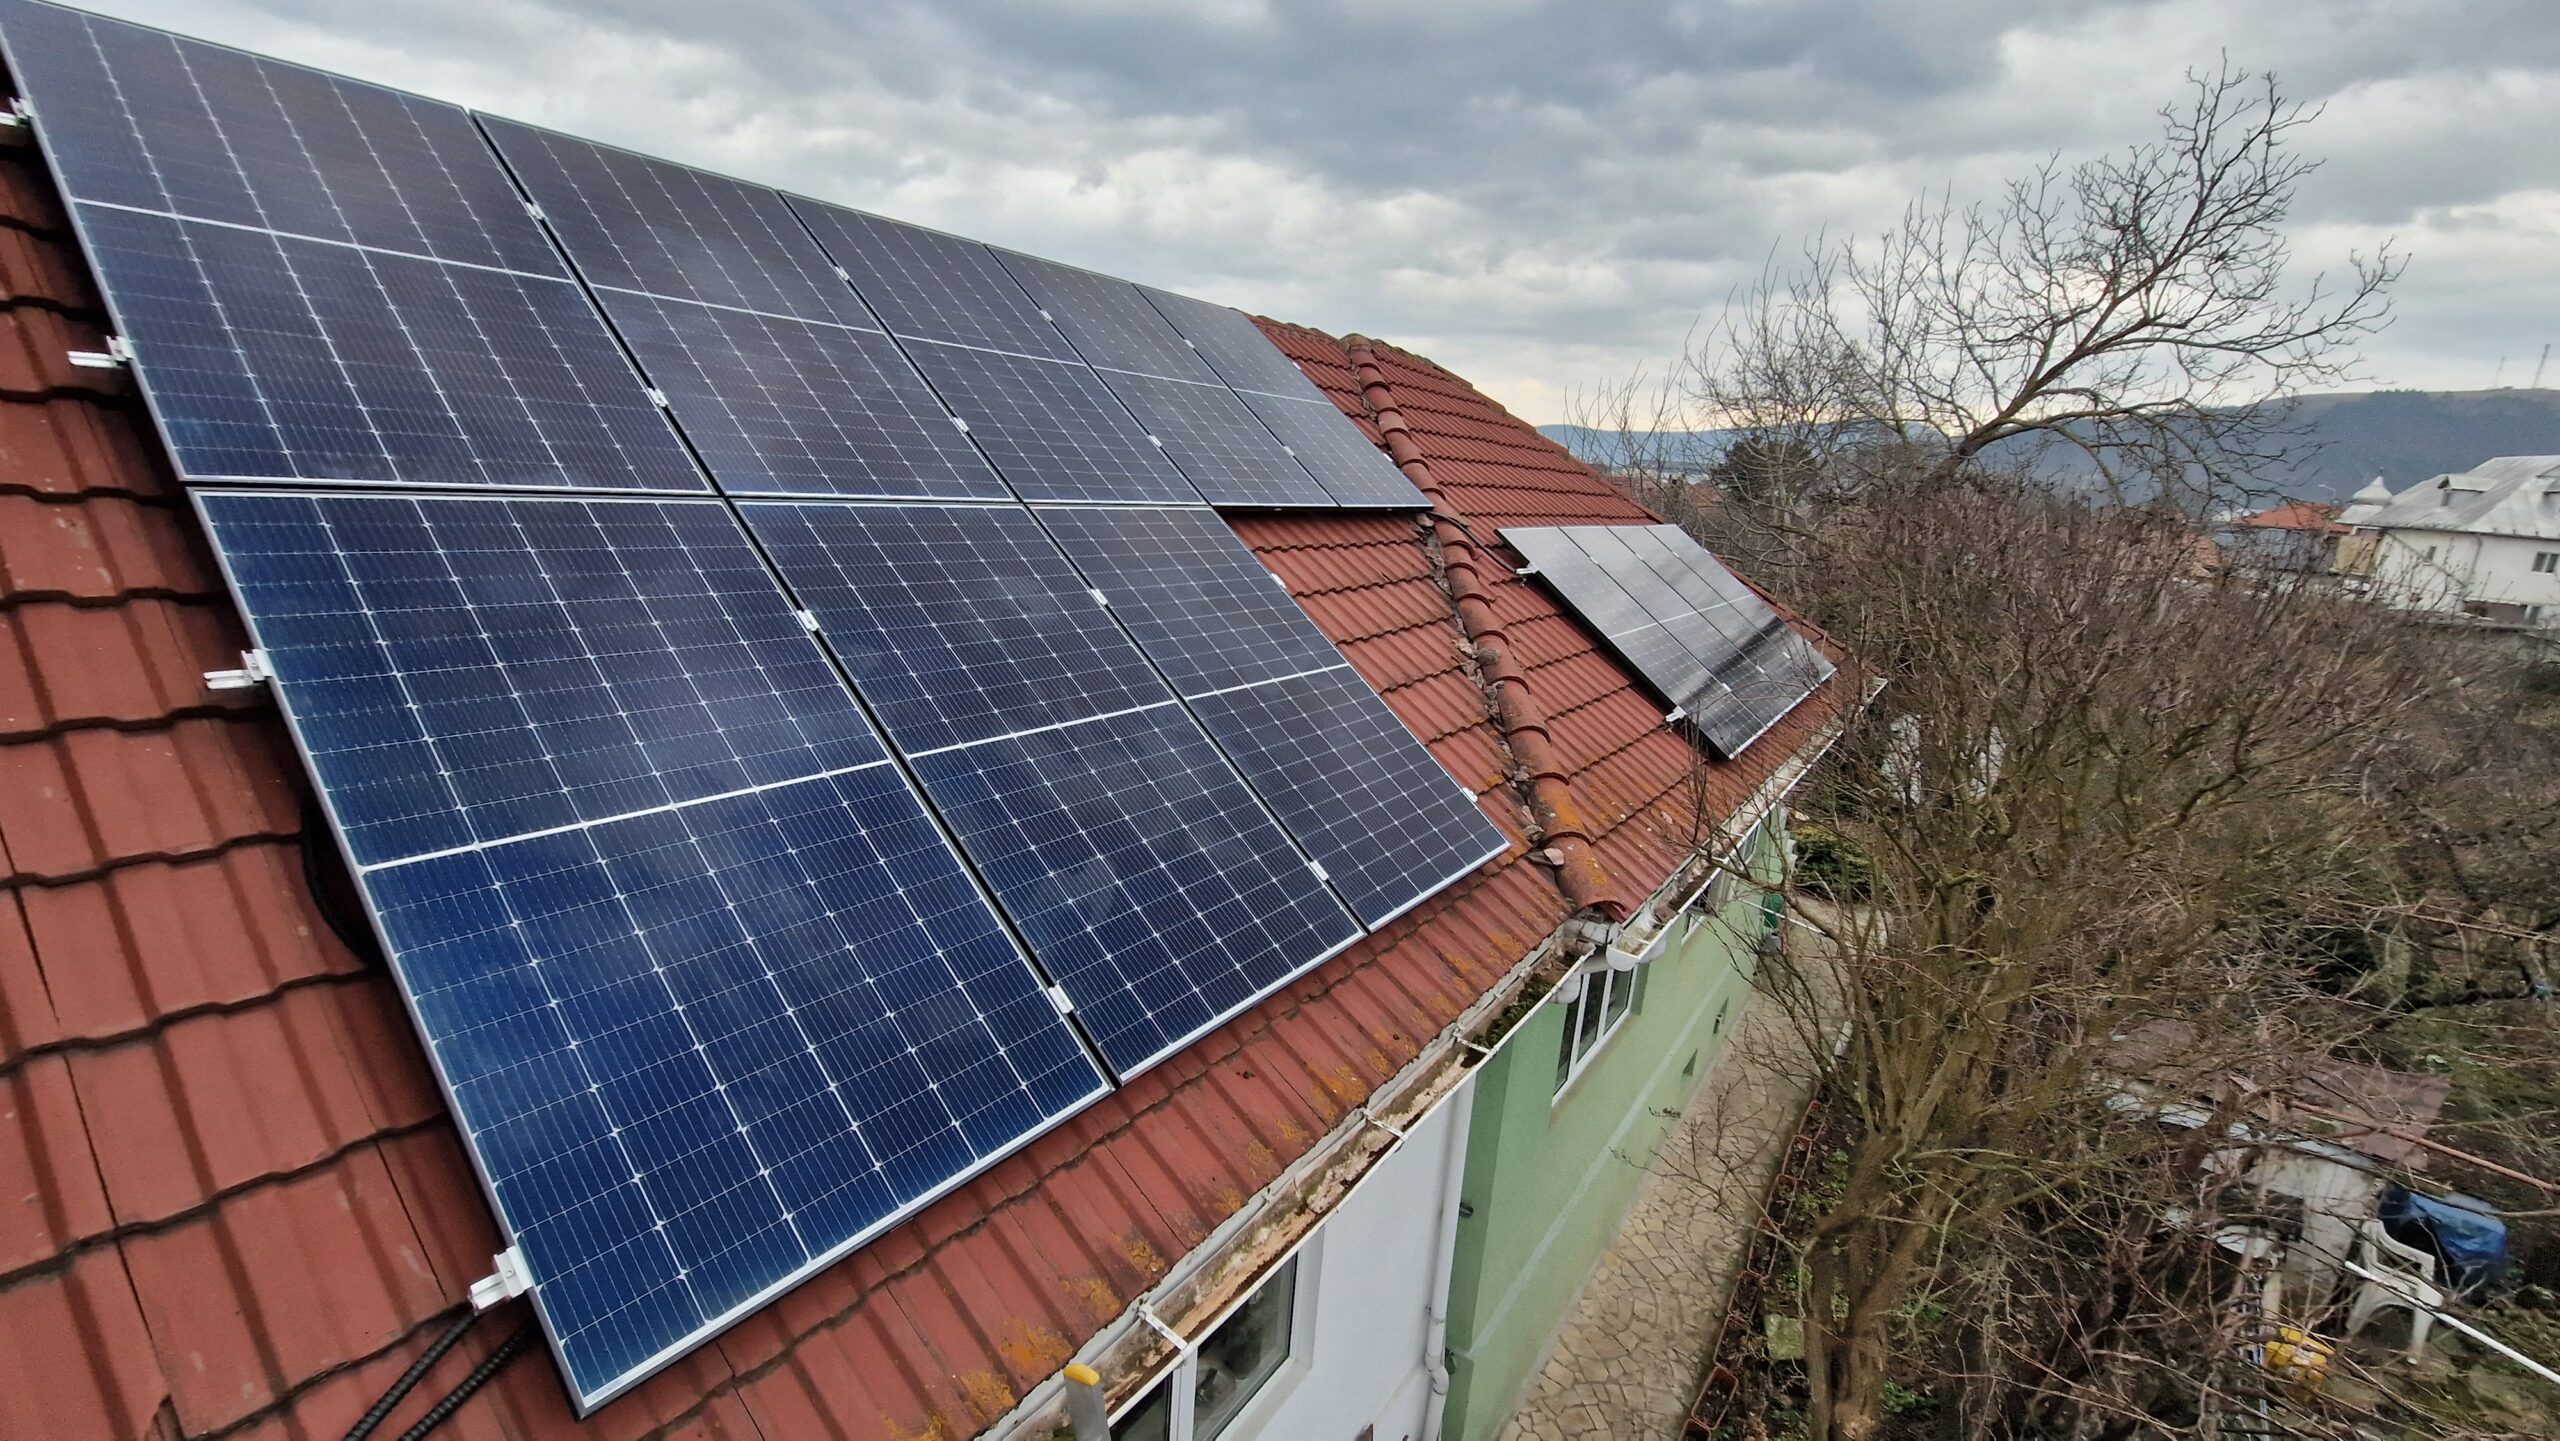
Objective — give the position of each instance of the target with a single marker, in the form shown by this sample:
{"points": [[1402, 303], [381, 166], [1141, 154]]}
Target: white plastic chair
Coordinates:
{"points": [[2407, 1280]]}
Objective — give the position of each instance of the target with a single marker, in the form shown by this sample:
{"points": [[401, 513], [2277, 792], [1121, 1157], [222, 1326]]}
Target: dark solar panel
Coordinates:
{"points": [[1146, 876], [1052, 429], [1342, 773], [926, 285], [1228, 339], [713, 998], [1225, 451], [768, 361], [1683, 621], [274, 358], [1354, 472], [1112, 325], [146, 120], [633, 222], [326, 280]]}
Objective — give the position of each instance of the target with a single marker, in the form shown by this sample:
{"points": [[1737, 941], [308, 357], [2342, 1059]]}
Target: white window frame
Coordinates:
{"points": [[1599, 983], [1182, 1379], [2546, 562]]}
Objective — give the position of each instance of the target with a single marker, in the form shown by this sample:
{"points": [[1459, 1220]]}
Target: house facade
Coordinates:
{"points": [[2484, 543], [1360, 1207]]}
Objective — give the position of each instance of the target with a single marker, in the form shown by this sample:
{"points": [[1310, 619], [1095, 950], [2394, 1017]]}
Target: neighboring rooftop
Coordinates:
{"points": [[2515, 495], [242, 1207], [2301, 516]]}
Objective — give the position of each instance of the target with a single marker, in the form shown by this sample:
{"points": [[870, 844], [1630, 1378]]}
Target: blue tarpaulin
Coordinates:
{"points": [[2464, 1232]]}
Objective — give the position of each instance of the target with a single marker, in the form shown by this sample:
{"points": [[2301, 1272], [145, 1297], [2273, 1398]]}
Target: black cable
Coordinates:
{"points": [[480, 1376], [328, 885], [381, 1410]]}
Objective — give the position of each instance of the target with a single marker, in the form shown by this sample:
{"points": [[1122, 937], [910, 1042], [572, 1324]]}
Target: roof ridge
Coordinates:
{"points": [[1521, 718]]}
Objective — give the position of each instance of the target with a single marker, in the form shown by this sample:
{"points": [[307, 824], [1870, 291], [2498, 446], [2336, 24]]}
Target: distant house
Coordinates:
{"points": [[2299, 535], [2483, 543]]}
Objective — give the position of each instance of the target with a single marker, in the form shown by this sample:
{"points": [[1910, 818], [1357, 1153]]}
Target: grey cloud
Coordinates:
{"points": [[1541, 193]]}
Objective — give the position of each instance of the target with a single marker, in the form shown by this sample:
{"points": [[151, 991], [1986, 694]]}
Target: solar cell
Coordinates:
{"points": [[1051, 427], [926, 285], [1354, 471], [713, 998], [1144, 873], [1342, 773], [326, 280]]}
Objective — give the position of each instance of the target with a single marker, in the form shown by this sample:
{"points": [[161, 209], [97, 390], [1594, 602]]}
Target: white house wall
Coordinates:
{"points": [[2495, 568]]}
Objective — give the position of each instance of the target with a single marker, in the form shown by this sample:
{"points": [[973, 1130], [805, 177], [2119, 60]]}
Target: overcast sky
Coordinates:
{"points": [[1538, 195]]}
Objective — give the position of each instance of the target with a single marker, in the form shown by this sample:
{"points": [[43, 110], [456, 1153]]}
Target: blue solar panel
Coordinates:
{"points": [[926, 285], [1342, 773], [1144, 873], [768, 361], [1051, 427], [325, 280], [1221, 447], [713, 998]]}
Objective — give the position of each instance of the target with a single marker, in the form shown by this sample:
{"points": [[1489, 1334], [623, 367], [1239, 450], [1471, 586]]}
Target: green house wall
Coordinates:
{"points": [[1549, 1177]]}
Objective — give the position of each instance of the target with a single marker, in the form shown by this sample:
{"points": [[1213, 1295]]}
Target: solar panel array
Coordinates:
{"points": [[768, 823], [1689, 626], [710, 993]]}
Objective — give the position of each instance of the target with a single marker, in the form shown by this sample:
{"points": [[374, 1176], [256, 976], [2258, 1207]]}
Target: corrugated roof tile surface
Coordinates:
{"points": [[236, 1203]]}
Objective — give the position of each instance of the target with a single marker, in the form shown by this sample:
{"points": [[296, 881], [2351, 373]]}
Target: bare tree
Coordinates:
{"points": [[2132, 317]]}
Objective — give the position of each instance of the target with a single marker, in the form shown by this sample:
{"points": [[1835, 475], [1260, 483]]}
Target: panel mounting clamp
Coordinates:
{"points": [[1675, 715], [1318, 868], [1059, 998], [657, 397], [534, 210], [253, 672], [17, 112], [1098, 597], [964, 425], [808, 620], [118, 354], [511, 1279]]}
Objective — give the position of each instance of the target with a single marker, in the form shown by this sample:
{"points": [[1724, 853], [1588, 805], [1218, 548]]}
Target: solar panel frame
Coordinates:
{"points": [[1045, 781], [569, 889], [382, 334], [927, 285]]}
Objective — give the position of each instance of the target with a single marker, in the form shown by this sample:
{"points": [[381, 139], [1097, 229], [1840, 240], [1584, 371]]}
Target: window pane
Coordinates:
{"points": [[1593, 993], [1643, 974], [1622, 989], [1243, 1354], [1152, 1420], [1564, 1043]]}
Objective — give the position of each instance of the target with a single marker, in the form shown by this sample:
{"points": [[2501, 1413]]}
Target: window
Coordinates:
{"points": [[1217, 1380], [1594, 1016], [2546, 562]]}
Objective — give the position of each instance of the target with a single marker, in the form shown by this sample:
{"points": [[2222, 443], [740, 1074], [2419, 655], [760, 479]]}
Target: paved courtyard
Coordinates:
{"points": [[1628, 1361]]}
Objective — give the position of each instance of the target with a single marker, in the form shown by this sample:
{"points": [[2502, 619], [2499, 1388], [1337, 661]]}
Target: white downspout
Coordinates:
{"points": [[1435, 1339]]}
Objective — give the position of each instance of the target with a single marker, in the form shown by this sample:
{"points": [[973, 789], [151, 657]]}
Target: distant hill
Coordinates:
{"points": [[2400, 435]]}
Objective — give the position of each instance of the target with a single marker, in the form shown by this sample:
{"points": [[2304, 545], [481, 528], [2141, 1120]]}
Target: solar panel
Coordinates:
{"points": [[1226, 452], [1684, 622], [712, 997], [1354, 472], [1112, 324], [1051, 427], [771, 365], [1144, 873], [323, 280], [1342, 773], [926, 285], [1228, 339]]}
